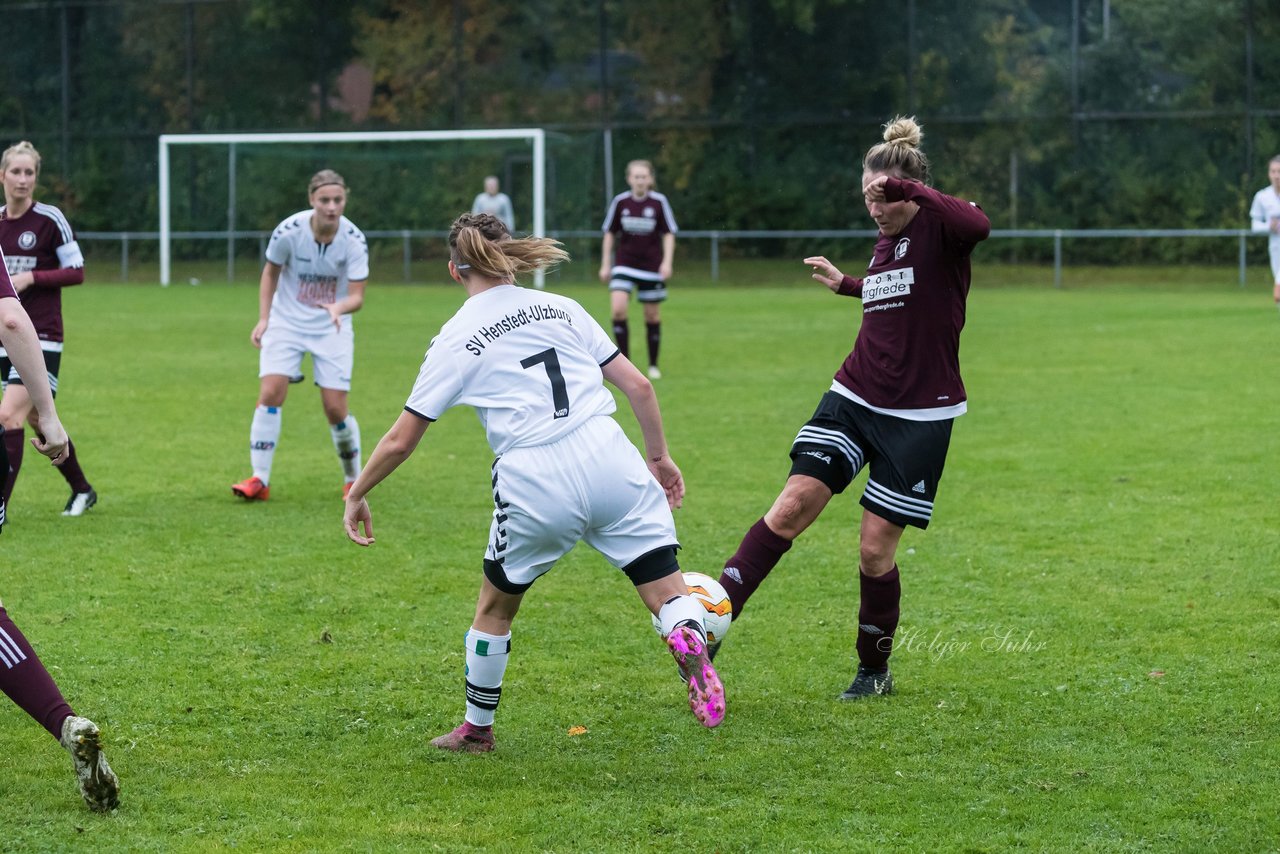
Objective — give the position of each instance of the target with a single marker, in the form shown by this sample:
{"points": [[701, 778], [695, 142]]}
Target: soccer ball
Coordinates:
{"points": [[711, 596]]}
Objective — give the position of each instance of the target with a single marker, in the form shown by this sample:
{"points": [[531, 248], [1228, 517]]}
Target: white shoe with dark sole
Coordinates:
{"points": [[80, 502], [98, 783]]}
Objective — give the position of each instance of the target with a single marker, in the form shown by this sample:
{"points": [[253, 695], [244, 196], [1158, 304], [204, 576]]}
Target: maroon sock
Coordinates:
{"points": [[14, 442], [878, 617], [4, 476], [622, 335], [757, 555], [26, 682], [653, 334], [70, 468]]}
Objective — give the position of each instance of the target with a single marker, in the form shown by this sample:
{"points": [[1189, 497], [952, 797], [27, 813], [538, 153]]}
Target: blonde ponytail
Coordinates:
{"points": [[481, 244]]}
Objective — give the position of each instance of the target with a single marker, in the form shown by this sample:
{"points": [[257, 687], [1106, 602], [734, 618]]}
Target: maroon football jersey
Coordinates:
{"points": [[6, 286], [906, 358], [639, 224], [41, 242]]}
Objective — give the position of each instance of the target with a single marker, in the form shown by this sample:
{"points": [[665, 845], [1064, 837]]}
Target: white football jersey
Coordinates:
{"points": [[1266, 204], [314, 274], [528, 361]]}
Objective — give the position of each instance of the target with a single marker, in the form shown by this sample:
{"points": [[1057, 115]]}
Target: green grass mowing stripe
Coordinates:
{"points": [[1104, 518]]}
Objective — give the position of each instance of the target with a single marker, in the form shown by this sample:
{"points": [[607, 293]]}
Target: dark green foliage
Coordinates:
{"points": [[756, 114]]}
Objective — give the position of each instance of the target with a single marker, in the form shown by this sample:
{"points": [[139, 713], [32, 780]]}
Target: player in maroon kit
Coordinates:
{"points": [[893, 400], [22, 677], [42, 257], [642, 226]]}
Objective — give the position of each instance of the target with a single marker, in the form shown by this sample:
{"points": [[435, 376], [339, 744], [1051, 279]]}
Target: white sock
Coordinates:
{"points": [[680, 611], [486, 663], [346, 440], [263, 437]]}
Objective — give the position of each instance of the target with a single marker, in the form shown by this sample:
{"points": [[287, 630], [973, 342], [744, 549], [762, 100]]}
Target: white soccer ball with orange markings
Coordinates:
{"points": [[711, 595]]}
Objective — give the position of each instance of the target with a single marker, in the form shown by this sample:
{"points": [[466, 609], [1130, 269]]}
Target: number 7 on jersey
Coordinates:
{"points": [[559, 394]]}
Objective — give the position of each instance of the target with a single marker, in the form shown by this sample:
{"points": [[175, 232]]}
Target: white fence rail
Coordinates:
{"points": [[127, 239]]}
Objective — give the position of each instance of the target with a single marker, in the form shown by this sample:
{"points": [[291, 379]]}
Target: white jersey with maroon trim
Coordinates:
{"points": [[1265, 207], [528, 361], [314, 274]]}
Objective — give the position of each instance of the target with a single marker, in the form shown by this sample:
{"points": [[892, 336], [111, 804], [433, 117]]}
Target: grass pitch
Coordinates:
{"points": [[1085, 661]]}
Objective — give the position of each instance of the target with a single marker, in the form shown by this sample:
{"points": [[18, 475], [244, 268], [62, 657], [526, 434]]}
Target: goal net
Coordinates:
{"points": [[220, 195]]}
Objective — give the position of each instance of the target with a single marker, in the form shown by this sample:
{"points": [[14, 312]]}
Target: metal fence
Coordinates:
{"points": [[128, 239]]}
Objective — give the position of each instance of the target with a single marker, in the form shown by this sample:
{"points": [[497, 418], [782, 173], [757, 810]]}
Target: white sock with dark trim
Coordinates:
{"points": [[681, 611], [346, 441], [264, 434], [486, 663]]}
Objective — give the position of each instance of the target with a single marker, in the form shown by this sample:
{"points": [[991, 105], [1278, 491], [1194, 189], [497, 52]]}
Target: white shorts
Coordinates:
{"points": [[591, 486], [1275, 261], [332, 354]]}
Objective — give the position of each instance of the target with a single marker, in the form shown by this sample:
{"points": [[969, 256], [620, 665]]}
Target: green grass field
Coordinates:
{"points": [[1085, 661]]}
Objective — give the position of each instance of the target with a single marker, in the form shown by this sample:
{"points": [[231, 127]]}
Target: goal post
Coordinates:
{"points": [[535, 136]]}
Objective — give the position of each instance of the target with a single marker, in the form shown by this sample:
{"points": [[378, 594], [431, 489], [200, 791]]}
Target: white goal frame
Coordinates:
{"points": [[537, 136]]}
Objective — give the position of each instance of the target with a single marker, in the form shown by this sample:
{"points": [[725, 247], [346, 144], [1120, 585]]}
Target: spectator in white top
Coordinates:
{"points": [[495, 203]]}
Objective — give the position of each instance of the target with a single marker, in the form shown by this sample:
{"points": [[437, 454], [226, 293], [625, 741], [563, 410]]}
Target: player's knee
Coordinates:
{"points": [[790, 514], [497, 612], [875, 558], [878, 547], [271, 397]]}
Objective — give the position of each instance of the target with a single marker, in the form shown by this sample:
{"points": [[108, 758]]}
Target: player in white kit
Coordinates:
{"points": [[314, 279], [532, 364], [1264, 217]]}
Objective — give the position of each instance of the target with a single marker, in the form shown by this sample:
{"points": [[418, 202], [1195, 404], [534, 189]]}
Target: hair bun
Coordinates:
{"points": [[903, 130]]}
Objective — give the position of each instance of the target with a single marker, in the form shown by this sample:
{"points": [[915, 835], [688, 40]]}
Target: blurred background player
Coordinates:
{"points": [[314, 279], [642, 228], [495, 204], [1264, 216], [23, 678], [892, 402], [41, 257], [533, 365]]}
